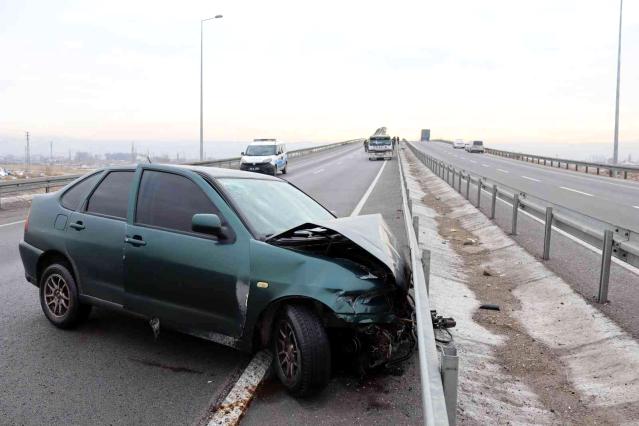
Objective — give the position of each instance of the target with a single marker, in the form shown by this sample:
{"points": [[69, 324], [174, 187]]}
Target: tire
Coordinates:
{"points": [[275, 170], [284, 169], [59, 297], [299, 336]]}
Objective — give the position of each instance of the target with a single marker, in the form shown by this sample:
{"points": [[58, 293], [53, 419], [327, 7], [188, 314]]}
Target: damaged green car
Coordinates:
{"points": [[241, 259]]}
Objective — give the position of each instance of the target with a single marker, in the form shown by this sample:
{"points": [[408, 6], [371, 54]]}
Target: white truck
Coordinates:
{"points": [[380, 146]]}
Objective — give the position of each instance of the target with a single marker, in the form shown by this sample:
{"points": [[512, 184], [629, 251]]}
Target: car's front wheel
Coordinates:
{"points": [[59, 297], [302, 351]]}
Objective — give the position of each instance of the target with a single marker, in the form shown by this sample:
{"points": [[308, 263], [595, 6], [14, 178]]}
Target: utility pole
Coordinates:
{"points": [[27, 154], [133, 152], [615, 157], [50, 151]]}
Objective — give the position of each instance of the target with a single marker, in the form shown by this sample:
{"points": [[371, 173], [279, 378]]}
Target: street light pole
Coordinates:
{"points": [[615, 157], [202, 84]]}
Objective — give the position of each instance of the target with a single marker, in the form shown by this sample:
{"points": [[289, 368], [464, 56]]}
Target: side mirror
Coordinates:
{"points": [[242, 153], [207, 224]]}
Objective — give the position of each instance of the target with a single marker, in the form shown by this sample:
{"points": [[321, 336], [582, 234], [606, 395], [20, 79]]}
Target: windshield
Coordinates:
{"points": [[380, 141], [256, 150], [272, 207]]}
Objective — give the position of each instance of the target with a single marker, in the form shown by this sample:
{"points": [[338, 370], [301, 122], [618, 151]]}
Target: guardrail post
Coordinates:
{"points": [[625, 174], [493, 202], [448, 174], [416, 227], [450, 377], [468, 186], [547, 232], [426, 267], [460, 181], [597, 170], [479, 186], [46, 188], [515, 211], [604, 276], [586, 169]]}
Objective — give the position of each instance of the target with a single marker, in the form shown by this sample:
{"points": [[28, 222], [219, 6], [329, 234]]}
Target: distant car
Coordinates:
{"points": [[475, 146], [265, 156], [458, 144], [240, 259]]}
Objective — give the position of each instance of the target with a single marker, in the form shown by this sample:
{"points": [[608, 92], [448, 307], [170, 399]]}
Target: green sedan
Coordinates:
{"points": [[237, 258]]}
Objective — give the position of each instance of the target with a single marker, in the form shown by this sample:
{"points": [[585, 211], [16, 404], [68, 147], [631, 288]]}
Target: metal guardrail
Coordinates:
{"points": [[51, 182], [611, 169], [439, 381], [613, 240]]}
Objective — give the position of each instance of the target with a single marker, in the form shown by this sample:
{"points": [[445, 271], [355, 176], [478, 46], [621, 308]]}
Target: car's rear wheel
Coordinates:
{"points": [[59, 297], [302, 351], [284, 169]]}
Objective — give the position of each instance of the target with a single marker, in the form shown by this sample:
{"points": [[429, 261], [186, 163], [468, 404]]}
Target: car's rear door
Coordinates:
{"points": [[186, 279], [95, 237]]}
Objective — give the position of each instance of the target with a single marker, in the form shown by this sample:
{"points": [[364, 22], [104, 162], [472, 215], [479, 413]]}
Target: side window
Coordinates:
{"points": [[74, 196], [111, 197], [169, 201]]}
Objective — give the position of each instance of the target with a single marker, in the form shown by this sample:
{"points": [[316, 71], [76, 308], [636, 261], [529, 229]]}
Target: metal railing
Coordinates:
{"points": [[438, 380], [613, 240], [586, 166], [47, 183]]}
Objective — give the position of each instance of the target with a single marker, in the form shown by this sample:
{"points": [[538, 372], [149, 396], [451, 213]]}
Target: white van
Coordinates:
{"points": [[265, 156]]}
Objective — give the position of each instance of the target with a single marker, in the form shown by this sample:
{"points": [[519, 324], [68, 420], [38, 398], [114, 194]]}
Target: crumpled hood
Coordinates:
{"points": [[368, 232], [256, 158]]}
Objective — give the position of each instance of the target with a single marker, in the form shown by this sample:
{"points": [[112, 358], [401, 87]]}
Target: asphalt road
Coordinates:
{"points": [[112, 371], [607, 199]]}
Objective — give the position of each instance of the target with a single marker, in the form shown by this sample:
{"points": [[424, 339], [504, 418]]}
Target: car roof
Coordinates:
{"points": [[213, 172], [265, 142], [219, 172]]}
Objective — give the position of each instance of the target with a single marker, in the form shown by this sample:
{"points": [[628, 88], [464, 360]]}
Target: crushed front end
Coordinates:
{"points": [[373, 314]]}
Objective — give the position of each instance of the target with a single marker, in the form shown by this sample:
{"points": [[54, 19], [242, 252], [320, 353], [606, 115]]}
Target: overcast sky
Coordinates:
{"points": [[502, 71]]}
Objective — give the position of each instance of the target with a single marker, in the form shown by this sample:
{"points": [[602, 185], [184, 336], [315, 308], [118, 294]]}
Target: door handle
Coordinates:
{"points": [[78, 226], [135, 241]]}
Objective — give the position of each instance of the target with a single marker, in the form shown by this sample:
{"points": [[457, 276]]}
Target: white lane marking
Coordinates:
{"points": [[11, 223], [503, 171], [533, 179], [577, 191], [237, 401], [473, 161], [358, 207], [485, 165], [636, 207], [318, 171]]}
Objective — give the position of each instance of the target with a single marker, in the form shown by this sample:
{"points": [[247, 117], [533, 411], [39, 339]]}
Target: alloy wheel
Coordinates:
{"points": [[288, 353], [57, 295]]}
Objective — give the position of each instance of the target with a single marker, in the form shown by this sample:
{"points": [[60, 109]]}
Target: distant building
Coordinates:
{"points": [[425, 135]]}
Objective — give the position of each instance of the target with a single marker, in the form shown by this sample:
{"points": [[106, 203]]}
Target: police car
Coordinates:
{"points": [[265, 156]]}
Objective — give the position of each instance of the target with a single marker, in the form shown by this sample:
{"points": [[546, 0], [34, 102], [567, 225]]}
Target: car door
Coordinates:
{"points": [[95, 237], [184, 278]]}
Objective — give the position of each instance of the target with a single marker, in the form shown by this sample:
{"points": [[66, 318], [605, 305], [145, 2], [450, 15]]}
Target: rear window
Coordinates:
{"points": [[74, 196], [478, 143], [111, 197]]}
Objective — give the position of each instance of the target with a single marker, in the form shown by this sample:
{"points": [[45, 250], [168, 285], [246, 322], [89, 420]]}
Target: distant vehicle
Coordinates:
{"points": [[425, 136], [265, 156], [3, 172], [237, 258], [459, 144], [380, 147], [475, 146]]}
